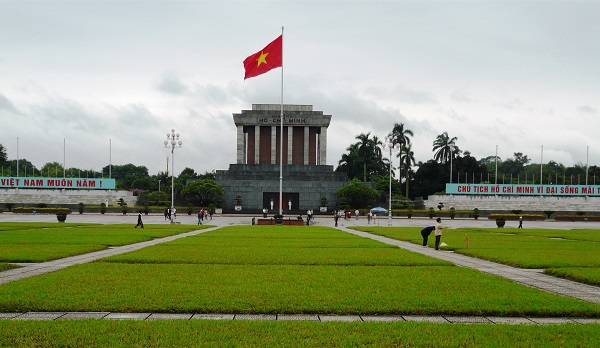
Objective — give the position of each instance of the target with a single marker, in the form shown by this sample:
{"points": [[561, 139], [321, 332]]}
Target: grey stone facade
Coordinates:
{"points": [[255, 176], [257, 184]]}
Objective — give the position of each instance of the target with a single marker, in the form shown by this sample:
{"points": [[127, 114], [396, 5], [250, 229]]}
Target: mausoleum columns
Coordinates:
{"points": [[304, 138]]}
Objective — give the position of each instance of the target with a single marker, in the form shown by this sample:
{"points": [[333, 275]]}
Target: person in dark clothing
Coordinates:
{"points": [[139, 221], [425, 233]]}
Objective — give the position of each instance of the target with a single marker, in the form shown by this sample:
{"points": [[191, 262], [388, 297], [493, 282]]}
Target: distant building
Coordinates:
{"points": [[255, 176]]}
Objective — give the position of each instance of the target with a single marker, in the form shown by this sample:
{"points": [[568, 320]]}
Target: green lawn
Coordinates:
{"points": [[31, 242], [196, 333], [573, 254], [278, 269]]}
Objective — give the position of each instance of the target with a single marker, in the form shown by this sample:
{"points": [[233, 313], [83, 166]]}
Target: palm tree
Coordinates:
{"points": [[444, 147], [409, 160], [364, 150], [400, 136], [376, 148]]}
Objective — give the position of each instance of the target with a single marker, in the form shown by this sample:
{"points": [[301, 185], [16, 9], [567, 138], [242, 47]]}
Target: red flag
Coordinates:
{"points": [[264, 60]]}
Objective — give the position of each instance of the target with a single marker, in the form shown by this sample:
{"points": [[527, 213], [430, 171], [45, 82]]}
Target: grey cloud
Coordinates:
{"points": [[171, 84], [6, 104], [460, 96], [586, 109], [136, 116]]}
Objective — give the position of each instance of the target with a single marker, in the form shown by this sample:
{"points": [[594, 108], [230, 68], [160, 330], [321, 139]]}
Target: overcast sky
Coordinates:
{"points": [[517, 74]]}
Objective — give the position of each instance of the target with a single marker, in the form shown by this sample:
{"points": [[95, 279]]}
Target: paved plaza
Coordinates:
{"points": [[529, 277]]}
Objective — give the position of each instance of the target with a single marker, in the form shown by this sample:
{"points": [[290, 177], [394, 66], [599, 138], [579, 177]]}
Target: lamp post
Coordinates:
{"points": [[159, 185], [391, 146], [173, 142]]}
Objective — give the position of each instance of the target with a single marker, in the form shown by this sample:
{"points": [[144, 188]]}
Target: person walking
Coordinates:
{"points": [[520, 222], [199, 217], [425, 234], [356, 212], [139, 221], [438, 233], [336, 216]]}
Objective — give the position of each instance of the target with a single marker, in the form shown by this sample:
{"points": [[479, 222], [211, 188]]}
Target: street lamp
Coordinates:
{"points": [[391, 146], [173, 142]]}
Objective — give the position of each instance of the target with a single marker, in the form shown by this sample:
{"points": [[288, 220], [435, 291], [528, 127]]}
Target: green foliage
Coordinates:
{"points": [[549, 213], [156, 197], [357, 193], [364, 159], [444, 147], [3, 157], [382, 184], [203, 192], [323, 201]]}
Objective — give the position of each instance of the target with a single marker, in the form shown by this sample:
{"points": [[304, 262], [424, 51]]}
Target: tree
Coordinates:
{"points": [[431, 177], [364, 163], [364, 151], [52, 169], [357, 194], [3, 156], [408, 158], [444, 147], [490, 162], [515, 165], [204, 192], [351, 163], [467, 164], [158, 197], [401, 137], [382, 184]]}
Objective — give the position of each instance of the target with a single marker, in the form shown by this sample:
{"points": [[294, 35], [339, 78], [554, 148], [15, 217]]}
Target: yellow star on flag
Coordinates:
{"points": [[257, 63], [262, 59]]}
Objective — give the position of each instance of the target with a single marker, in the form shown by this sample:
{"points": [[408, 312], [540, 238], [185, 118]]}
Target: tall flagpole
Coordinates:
{"points": [[281, 135], [542, 167]]}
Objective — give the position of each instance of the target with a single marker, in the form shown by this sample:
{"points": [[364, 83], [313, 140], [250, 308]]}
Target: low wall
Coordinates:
{"points": [[288, 221], [507, 203], [65, 197]]}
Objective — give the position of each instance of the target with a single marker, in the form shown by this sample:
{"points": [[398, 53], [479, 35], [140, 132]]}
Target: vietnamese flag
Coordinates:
{"points": [[268, 58]]}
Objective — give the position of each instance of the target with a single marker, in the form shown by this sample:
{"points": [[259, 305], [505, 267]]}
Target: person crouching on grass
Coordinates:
{"points": [[425, 234]]}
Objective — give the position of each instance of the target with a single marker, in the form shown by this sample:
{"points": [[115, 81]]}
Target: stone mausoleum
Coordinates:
{"points": [[255, 176]]}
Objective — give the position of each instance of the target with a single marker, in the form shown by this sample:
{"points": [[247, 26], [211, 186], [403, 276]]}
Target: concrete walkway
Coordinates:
{"points": [[527, 277]]}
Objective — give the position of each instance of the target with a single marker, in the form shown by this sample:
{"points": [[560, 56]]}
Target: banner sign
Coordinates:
{"points": [[57, 183], [523, 190]]}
